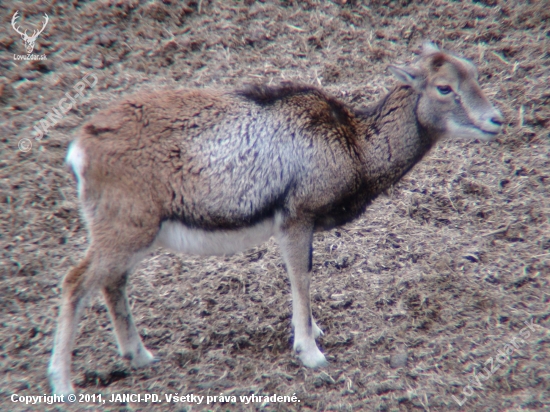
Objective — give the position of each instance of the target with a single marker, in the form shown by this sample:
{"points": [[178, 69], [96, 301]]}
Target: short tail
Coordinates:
{"points": [[76, 159]]}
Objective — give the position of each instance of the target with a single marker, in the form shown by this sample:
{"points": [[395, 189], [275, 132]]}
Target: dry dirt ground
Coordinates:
{"points": [[415, 298]]}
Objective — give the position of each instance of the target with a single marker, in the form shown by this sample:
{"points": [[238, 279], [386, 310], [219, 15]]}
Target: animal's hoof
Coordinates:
{"points": [[59, 385], [312, 358], [141, 359]]}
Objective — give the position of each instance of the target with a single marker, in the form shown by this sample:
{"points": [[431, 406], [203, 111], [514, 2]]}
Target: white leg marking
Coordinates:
{"points": [[304, 338], [59, 370], [295, 244], [317, 331]]}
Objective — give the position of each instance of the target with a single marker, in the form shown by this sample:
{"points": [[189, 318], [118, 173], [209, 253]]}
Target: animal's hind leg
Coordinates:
{"points": [[104, 266], [129, 342], [76, 291]]}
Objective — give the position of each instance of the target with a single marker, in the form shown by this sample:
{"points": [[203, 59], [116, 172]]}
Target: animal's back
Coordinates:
{"points": [[226, 160]]}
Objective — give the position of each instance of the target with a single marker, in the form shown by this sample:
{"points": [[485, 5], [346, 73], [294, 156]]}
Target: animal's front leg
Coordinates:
{"points": [[317, 331], [295, 242]]}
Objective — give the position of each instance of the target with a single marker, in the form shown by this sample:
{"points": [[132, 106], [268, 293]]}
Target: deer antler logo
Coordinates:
{"points": [[29, 41]]}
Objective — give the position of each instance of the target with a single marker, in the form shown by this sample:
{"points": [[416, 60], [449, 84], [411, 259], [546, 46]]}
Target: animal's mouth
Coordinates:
{"points": [[488, 135]]}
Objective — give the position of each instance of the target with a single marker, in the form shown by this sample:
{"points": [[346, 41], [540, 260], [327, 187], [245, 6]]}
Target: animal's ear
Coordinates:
{"points": [[429, 48], [405, 74]]}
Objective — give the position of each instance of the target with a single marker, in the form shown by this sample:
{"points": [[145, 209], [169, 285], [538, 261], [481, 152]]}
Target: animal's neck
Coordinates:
{"points": [[393, 141]]}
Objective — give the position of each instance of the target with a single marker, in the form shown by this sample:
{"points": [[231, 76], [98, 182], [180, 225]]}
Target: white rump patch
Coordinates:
{"points": [[75, 158], [180, 238]]}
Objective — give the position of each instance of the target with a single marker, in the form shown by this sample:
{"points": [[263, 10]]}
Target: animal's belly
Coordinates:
{"points": [[180, 238]]}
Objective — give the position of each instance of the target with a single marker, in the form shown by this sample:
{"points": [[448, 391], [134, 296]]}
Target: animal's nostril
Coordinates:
{"points": [[497, 119]]}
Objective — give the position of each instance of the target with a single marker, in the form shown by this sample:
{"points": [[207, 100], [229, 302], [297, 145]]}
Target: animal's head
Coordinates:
{"points": [[29, 40], [451, 102]]}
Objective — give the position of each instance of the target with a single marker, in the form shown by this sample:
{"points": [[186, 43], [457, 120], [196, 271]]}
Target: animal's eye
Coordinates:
{"points": [[444, 89]]}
